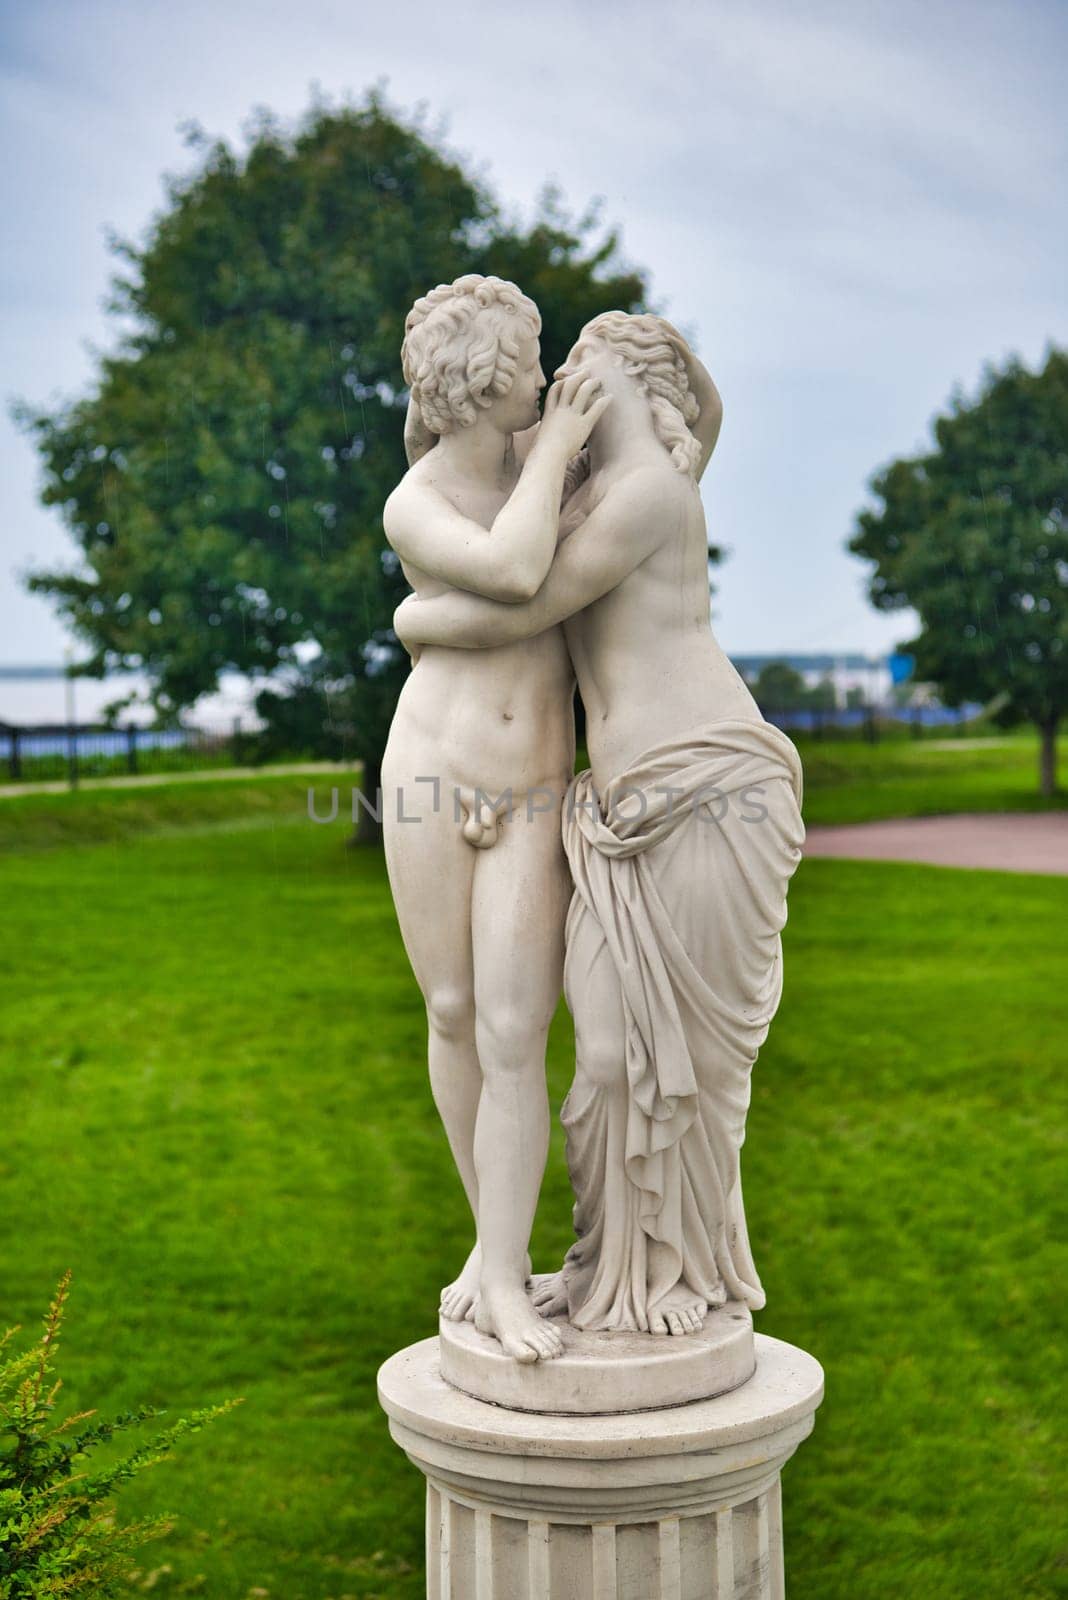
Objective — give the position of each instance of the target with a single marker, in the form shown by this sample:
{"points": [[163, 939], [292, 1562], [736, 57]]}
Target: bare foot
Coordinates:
{"points": [[680, 1311], [508, 1316], [550, 1294], [459, 1299]]}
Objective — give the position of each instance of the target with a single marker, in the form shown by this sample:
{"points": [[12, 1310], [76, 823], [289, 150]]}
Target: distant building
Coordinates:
{"points": [[846, 671]]}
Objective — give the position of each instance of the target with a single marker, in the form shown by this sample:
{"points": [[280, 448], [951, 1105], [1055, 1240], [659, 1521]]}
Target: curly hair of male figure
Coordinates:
{"points": [[650, 348], [461, 344]]}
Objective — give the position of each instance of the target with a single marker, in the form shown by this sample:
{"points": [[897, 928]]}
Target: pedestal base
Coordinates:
{"points": [[600, 1373], [675, 1504]]}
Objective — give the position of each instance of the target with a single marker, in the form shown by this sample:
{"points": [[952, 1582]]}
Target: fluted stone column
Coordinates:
{"points": [[681, 1503]]}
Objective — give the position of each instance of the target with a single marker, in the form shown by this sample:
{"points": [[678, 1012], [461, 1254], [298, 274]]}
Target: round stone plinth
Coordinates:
{"points": [[602, 1373], [681, 1503]]}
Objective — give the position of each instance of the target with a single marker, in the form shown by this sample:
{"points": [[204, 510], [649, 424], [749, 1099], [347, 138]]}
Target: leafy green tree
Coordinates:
{"points": [[780, 687], [822, 696], [224, 478], [973, 536]]}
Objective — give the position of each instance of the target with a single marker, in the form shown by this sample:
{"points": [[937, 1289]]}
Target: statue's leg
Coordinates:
{"points": [[520, 898], [612, 1269], [602, 1281], [431, 865]]}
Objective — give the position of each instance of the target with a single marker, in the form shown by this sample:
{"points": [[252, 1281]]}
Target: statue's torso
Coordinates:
{"points": [[648, 665], [498, 717]]}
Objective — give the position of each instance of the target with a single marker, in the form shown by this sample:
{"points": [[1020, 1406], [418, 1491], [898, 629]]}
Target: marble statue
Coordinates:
{"points": [[542, 552]]}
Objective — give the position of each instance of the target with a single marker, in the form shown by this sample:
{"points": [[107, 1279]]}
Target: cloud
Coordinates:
{"points": [[851, 206]]}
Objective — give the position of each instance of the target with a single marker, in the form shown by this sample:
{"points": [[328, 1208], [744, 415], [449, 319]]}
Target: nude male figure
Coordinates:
{"points": [[481, 889]]}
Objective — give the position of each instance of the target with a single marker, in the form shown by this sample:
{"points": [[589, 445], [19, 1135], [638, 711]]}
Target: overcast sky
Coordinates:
{"points": [[850, 208]]}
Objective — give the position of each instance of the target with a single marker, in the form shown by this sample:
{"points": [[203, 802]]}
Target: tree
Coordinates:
{"points": [[224, 478], [973, 536], [780, 687], [822, 696]]}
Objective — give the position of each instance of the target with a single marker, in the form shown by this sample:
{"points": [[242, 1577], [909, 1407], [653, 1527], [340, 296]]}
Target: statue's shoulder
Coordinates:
{"points": [[647, 485], [660, 482], [415, 493], [646, 508]]}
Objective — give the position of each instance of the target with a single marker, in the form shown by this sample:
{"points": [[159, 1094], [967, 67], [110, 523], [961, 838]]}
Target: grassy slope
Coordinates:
{"points": [[108, 816], [216, 1111]]}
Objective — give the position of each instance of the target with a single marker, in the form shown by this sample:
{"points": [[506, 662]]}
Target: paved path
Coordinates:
{"points": [[152, 780], [1006, 841]]}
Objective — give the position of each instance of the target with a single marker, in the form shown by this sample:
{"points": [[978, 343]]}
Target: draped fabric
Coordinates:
{"points": [[673, 974]]}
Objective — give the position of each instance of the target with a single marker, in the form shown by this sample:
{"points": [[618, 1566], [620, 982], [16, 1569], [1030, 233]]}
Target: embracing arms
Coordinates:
{"points": [[509, 560], [617, 536]]}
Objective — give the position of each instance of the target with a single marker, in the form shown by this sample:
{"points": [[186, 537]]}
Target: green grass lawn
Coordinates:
{"points": [[851, 781], [215, 1110]]}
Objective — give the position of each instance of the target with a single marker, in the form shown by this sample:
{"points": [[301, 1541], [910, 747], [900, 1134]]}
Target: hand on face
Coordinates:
{"points": [[573, 407]]}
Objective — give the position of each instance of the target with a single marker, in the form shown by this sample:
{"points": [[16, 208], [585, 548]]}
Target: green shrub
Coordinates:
{"points": [[58, 1531]]}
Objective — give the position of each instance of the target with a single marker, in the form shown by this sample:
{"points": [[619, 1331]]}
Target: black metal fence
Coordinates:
{"points": [[44, 752], [61, 752]]}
